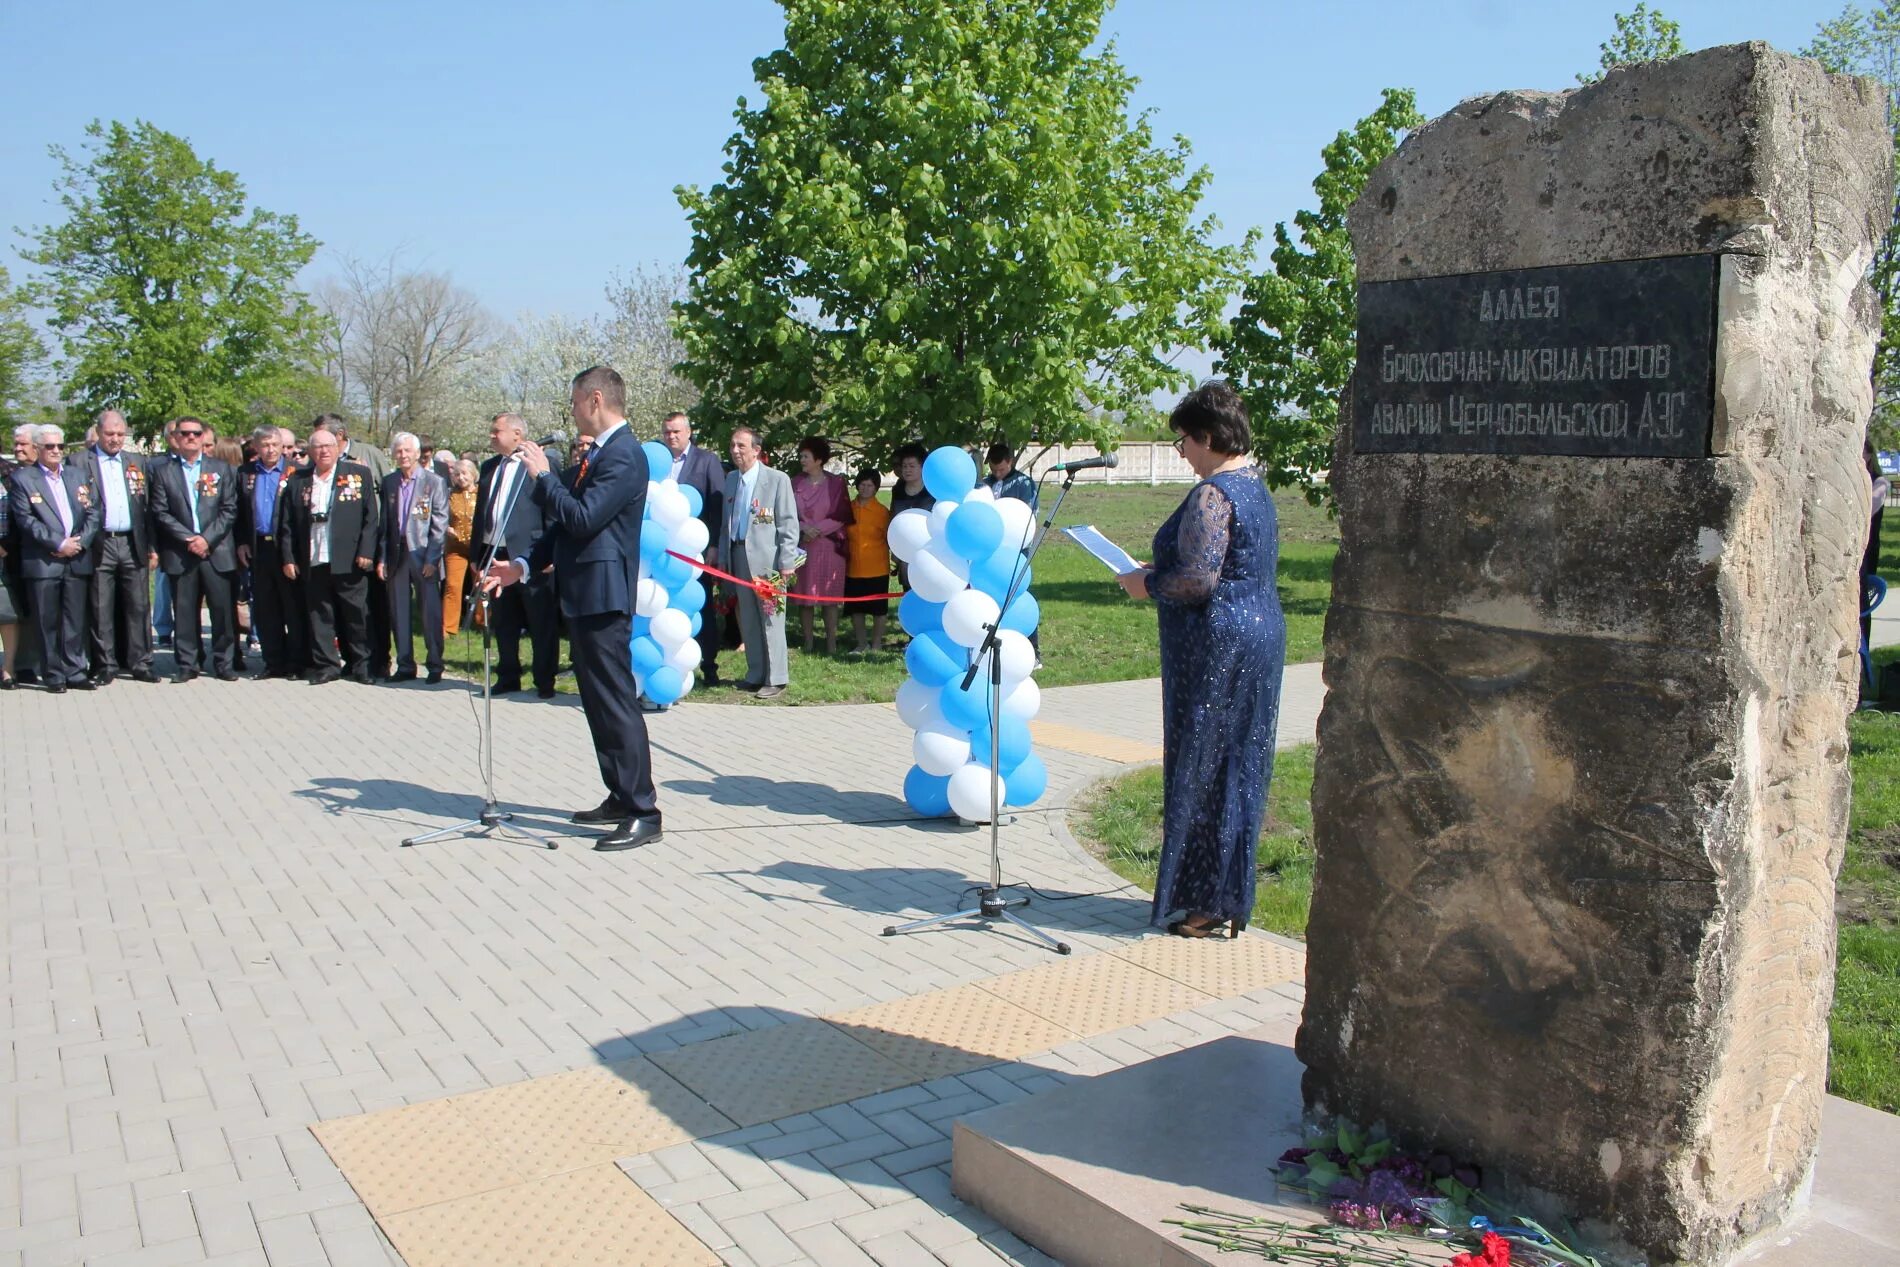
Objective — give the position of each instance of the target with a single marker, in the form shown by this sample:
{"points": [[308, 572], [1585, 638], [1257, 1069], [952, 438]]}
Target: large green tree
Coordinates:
{"points": [[1868, 43], [20, 353], [169, 293], [943, 223], [1643, 35], [1290, 348]]}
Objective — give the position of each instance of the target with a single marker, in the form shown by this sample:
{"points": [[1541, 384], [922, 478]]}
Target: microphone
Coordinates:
{"points": [[1088, 464]]}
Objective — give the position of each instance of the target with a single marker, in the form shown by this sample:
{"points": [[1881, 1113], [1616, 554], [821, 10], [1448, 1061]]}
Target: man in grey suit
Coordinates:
{"points": [[415, 528], [55, 510], [760, 535], [122, 557]]}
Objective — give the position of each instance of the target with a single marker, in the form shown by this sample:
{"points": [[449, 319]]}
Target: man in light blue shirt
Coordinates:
{"points": [[122, 558]]}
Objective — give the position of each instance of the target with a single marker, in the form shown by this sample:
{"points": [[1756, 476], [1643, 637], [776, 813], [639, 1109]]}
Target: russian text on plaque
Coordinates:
{"points": [[1610, 360]]}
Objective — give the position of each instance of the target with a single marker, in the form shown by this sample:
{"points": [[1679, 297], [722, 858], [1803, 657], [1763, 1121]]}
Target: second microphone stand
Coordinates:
{"points": [[990, 902]]}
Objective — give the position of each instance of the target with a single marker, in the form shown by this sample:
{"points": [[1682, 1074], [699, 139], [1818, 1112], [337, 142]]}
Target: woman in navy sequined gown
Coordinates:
{"points": [[1223, 644]]}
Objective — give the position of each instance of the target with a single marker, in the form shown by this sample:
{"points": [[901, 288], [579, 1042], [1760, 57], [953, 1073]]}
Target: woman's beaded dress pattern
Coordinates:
{"points": [[1223, 645]]}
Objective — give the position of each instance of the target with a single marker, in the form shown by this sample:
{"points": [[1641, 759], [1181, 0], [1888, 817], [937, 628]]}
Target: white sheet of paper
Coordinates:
{"points": [[1118, 560]]}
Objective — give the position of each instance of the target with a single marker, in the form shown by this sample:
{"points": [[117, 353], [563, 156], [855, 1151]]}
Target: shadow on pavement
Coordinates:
{"points": [[398, 802], [789, 796]]}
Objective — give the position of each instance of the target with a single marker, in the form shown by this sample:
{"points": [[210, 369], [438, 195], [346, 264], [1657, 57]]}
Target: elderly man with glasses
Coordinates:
{"points": [[122, 556], [56, 509], [195, 505]]}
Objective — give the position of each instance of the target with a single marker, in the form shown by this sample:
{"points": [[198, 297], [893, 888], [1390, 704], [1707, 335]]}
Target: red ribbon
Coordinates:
{"points": [[772, 594]]}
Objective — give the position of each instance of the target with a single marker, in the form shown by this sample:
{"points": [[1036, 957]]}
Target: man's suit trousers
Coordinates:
{"points": [[202, 585], [121, 608], [604, 670], [60, 605], [764, 635], [339, 620], [277, 611], [414, 597]]}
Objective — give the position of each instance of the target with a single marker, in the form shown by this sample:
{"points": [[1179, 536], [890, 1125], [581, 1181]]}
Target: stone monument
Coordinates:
{"points": [[1582, 779]]}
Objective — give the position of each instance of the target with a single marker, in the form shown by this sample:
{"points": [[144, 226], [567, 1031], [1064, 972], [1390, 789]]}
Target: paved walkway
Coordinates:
{"points": [[217, 942]]}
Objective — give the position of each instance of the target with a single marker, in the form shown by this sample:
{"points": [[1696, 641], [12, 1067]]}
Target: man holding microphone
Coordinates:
{"points": [[592, 538]]}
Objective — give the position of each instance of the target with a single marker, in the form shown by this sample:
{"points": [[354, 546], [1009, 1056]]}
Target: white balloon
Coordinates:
{"points": [[981, 493], [667, 505], [649, 598], [917, 704], [691, 538], [671, 627], [941, 748], [1018, 521], [939, 517], [685, 656], [686, 687], [1024, 701], [966, 615], [1019, 657], [934, 578], [909, 533], [970, 793]]}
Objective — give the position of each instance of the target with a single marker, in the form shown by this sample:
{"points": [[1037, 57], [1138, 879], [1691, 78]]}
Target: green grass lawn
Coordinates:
{"points": [[1091, 631]]}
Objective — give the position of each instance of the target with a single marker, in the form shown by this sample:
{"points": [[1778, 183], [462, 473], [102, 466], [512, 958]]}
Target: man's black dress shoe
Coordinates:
{"points": [[435, 675], [506, 686], [184, 675], [27, 677], [84, 684], [631, 834], [403, 675], [56, 688], [103, 679], [226, 676], [361, 679], [145, 675], [323, 677], [544, 692], [608, 811]]}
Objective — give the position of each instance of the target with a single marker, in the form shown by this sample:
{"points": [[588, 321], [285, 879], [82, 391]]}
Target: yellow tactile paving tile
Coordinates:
{"points": [[588, 1117], [595, 1215], [781, 1070], [1095, 994], [414, 1156], [1092, 743], [1217, 966], [951, 1031]]}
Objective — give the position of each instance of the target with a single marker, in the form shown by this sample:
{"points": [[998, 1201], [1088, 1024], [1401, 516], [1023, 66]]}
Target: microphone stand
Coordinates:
{"points": [[492, 818], [990, 903]]}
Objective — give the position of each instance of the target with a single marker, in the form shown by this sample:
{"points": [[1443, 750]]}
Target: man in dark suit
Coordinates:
{"points": [[122, 557], [195, 506], [55, 509], [277, 614], [593, 541], [694, 467], [367, 455], [327, 519], [508, 525], [415, 514]]}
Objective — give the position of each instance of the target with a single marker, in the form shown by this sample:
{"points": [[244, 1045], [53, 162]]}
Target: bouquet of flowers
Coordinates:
{"points": [[772, 587]]}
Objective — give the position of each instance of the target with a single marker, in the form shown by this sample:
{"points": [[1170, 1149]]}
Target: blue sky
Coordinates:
{"points": [[530, 150]]}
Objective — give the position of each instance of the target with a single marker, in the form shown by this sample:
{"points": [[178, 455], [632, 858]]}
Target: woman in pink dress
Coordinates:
{"points": [[824, 508]]}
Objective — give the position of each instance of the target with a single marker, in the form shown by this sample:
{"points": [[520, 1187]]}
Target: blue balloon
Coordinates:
{"points": [[949, 473], [928, 794], [1012, 745], [665, 684], [647, 656], [933, 659], [974, 530], [1023, 615], [671, 573], [967, 709], [659, 460], [1026, 783], [652, 546], [918, 614], [694, 502], [689, 597], [994, 574], [699, 622], [641, 624]]}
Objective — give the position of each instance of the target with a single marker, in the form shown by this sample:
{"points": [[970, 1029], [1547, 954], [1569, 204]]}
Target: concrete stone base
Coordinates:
{"points": [[1088, 1174]]}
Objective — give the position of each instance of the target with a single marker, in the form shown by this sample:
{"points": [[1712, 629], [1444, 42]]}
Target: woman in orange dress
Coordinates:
{"points": [[461, 540], [868, 559]]}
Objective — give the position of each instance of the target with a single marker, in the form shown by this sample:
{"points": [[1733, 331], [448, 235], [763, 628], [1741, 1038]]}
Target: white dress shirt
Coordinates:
{"points": [[322, 489], [112, 489]]}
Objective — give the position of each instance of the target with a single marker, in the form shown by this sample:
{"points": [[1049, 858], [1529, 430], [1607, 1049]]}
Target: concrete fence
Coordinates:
{"points": [[1142, 462]]}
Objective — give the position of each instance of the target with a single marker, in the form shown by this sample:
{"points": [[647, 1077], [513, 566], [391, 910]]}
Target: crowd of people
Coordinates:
{"points": [[324, 557]]}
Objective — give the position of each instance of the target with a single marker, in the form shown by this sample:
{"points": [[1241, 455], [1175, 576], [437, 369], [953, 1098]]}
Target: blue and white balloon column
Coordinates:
{"points": [[667, 607], [964, 554]]}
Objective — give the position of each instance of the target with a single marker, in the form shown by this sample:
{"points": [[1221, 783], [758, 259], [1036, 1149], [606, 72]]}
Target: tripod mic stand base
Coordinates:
{"points": [[493, 819], [990, 905]]}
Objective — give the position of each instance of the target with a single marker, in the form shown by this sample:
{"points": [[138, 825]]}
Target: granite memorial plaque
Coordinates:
{"points": [[1610, 360]]}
